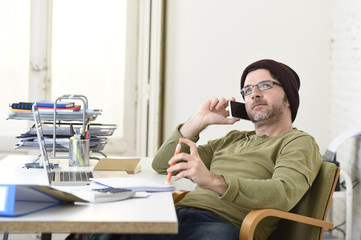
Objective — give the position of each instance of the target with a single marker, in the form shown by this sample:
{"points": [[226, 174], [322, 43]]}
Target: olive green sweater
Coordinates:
{"points": [[261, 172]]}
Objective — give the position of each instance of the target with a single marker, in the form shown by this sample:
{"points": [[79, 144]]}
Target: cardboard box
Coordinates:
{"points": [[130, 165]]}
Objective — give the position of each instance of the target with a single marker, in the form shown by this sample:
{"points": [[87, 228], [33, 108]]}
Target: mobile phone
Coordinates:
{"points": [[238, 110]]}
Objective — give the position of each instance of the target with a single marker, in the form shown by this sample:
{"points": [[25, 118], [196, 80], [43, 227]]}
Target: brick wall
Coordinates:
{"points": [[345, 98]]}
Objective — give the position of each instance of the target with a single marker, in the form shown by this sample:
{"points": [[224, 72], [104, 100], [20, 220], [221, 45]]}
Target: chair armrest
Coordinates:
{"points": [[255, 216], [179, 195]]}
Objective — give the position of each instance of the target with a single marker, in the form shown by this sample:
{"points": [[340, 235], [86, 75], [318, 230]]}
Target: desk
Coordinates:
{"points": [[155, 214]]}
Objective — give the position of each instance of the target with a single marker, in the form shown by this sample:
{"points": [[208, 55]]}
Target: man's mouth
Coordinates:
{"points": [[258, 105]]}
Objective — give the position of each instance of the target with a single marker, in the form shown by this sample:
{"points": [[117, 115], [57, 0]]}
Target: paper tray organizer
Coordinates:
{"points": [[59, 127]]}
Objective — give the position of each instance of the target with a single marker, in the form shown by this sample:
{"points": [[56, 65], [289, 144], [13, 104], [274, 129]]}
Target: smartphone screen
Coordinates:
{"points": [[238, 110]]}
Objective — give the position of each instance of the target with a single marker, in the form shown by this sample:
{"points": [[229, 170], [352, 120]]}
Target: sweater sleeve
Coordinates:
{"points": [[295, 169]]}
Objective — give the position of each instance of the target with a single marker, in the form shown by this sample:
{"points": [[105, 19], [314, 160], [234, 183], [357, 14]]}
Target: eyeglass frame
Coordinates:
{"points": [[272, 83]]}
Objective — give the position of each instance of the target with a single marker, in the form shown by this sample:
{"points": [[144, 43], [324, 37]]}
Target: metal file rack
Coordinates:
{"points": [[57, 124]]}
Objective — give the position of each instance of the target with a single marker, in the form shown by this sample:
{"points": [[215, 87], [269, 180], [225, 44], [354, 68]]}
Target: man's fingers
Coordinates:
{"points": [[192, 146], [213, 103], [179, 167]]}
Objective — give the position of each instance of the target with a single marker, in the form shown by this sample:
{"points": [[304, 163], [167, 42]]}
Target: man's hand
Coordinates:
{"points": [[211, 112], [194, 169]]}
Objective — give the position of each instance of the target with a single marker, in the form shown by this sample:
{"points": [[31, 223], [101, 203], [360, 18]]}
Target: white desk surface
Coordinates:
{"points": [[155, 214]]}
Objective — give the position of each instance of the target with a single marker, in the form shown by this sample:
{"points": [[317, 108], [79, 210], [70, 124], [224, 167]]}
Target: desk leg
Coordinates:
{"points": [[5, 236], [45, 236]]}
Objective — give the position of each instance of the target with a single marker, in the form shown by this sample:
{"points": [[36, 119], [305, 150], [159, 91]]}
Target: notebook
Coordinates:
{"points": [[65, 178]]}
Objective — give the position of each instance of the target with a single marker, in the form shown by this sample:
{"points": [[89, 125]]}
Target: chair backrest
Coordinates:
{"points": [[315, 204]]}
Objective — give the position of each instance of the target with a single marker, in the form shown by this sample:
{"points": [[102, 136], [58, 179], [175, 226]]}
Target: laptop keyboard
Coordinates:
{"points": [[74, 176]]}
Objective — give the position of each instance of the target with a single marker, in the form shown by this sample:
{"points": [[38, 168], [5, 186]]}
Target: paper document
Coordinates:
{"points": [[135, 184]]}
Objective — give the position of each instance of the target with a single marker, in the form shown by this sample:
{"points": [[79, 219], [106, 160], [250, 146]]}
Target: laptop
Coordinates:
{"points": [[65, 178]]}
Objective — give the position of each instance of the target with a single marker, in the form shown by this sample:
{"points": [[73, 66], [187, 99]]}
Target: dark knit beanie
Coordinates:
{"points": [[285, 75]]}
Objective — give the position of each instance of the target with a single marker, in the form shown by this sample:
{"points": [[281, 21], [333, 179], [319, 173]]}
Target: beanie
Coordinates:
{"points": [[285, 75]]}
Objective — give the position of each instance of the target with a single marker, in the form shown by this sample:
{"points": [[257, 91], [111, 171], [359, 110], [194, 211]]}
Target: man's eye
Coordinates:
{"points": [[248, 90], [266, 85]]}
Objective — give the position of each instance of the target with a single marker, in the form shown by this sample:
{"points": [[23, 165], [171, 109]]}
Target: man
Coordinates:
{"points": [[270, 167]]}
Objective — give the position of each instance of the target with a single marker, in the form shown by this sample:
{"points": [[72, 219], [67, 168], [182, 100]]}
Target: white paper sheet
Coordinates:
{"points": [[135, 184]]}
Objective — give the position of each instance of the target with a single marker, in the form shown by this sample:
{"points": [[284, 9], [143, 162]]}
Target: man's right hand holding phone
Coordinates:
{"points": [[214, 111]]}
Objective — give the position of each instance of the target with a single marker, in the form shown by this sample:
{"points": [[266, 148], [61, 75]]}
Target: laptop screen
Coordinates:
{"points": [[44, 160]]}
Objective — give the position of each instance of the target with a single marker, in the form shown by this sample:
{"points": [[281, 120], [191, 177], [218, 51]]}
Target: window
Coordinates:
{"points": [[14, 65], [88, 58], [107, 50]]}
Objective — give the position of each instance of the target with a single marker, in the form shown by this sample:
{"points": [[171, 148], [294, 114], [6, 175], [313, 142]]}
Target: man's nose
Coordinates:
{"points": [[256, 92]]}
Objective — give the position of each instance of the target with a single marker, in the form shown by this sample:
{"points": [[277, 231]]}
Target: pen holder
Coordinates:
{"points": [[78, 152]]}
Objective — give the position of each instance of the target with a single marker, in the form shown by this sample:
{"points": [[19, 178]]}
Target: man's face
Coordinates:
{"points": [[268, 105]]}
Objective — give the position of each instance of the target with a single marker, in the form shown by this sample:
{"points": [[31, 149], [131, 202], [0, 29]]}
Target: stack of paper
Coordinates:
{"points": [[49, 116], [135, 184], [29, 140]]}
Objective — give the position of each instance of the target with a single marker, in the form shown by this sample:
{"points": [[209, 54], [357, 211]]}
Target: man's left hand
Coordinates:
{"points": [[191, 166]]}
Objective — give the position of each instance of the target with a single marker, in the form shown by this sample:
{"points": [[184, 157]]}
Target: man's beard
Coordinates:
{"points": [[275, 110]]}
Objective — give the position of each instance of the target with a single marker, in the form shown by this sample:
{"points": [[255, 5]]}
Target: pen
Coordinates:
{"points": [[87, 135], [72, 131], [176, 152], [81, 133]]}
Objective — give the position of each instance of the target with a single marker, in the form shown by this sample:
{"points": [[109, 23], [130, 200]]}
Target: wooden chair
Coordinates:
{"points": [[306, 220]]}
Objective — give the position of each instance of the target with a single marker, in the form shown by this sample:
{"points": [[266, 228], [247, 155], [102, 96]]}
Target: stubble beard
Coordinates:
{"points": [[272, 114]]}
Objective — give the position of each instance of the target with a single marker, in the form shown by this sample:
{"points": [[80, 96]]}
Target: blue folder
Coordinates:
{"points": [[19, 200]]}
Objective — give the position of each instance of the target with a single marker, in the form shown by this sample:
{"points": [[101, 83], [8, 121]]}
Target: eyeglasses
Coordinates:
{"points": [[264, 85]]}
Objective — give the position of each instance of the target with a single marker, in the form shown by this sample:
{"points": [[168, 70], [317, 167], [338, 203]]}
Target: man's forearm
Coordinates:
{"points": [[192, 127]]}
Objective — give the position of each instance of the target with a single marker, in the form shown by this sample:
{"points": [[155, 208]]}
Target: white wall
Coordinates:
{"points": [[345, 97], [210, 42]]}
